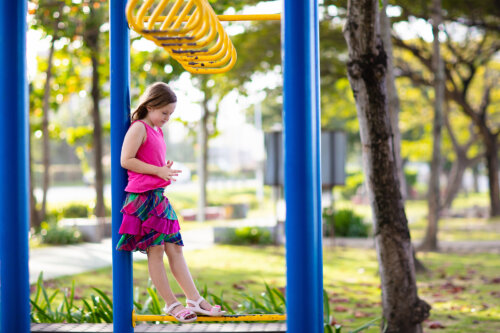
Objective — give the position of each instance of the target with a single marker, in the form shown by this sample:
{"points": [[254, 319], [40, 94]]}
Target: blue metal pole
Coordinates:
{"points": [[120, 110], [14, 199], [302, 177], [319, 224]]}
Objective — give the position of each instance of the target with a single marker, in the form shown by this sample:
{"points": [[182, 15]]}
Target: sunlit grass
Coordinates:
{"points": [[450, 229], [461, 288]]}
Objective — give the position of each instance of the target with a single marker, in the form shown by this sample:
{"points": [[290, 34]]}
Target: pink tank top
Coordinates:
{"points": [[152, 151]]}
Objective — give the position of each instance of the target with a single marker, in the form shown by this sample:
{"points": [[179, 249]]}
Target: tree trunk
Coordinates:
{"points": [[430, 242], [394, 108], [402, 309], [475, 178], [100, 211], [454, 181], [492, 164], [35, 220], [203, 160], [392, 96], [45, 131]]}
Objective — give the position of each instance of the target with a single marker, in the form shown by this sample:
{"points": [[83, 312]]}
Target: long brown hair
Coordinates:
{"points": [[156, 95]]}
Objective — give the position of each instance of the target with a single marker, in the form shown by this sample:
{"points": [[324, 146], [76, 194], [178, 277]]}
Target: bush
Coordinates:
{"points": [[53, 234], [248, 236], [354, 180], [411, 177], [344, 223], [75, 210]]}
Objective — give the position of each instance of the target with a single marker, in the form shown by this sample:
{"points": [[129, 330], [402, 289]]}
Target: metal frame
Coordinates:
{"points": [[120, 121], [227, 318], [304, 260], [14, 199]]}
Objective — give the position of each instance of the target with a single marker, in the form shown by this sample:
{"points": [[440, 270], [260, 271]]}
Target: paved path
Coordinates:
{"points": [[56, 261]]}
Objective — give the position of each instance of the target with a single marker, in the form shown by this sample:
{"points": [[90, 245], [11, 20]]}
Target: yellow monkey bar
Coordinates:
{"points": [[189, 30], [254, 317], [237, 17]]}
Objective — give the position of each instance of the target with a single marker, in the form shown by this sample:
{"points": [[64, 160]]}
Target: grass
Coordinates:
{"points": [[463, 289], [450, 229]]}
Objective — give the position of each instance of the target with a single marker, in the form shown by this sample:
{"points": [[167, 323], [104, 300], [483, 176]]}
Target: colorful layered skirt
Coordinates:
{"points": [[148, 220]]}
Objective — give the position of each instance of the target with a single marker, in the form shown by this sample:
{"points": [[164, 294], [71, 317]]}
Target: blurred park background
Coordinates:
{"points": [[216, 137]]}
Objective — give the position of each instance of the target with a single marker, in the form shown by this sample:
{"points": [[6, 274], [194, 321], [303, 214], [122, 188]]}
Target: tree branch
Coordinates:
{"points": [[447, 124], [485, 101], [426, 61], [415, 77]]}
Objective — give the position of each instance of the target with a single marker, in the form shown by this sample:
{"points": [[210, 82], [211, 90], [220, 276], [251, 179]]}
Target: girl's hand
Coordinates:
{"points": [[167, 173]]}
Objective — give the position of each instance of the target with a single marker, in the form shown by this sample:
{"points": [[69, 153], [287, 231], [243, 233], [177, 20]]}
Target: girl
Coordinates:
{"points": [[149, 222]]}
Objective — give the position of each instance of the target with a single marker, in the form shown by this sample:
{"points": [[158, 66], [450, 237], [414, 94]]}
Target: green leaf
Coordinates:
{"points": [[271, 297], [155, 303], [326, 307], [39, 285], [104, 297], [365, 326], [41, 313]]}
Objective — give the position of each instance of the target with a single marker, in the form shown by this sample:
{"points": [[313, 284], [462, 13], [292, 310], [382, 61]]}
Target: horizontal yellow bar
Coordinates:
{"points": [[254, 17], [254, 317]]}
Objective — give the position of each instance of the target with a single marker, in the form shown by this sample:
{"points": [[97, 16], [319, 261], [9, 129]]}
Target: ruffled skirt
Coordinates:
{"points": [[148, 220]]}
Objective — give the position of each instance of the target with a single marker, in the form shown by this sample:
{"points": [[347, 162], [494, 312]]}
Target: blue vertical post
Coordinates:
{"points": [[317, 180], [14, 189], [304, 290], [120, 106]]}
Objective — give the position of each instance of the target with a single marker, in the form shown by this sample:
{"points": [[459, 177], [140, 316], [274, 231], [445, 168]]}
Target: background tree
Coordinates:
{"points": [[50, 17], [95, 15], [392, 94], [403, 311], [464, 58], [461, 160], [434, 193]]}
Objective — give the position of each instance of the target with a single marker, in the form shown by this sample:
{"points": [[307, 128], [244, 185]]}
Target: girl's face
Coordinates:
{"points": [[159, 116]]}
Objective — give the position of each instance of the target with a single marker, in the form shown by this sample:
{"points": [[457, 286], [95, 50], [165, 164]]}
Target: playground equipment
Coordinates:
{"points": [[190, 31], [226, 318], [301, 141]]}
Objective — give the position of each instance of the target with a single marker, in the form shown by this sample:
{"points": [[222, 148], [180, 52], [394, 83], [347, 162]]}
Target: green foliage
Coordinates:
{"points": [[72, 210], [75, 210], [249, 236], [411, 177], [99, 309], [53, 234], [270, 301], [353, 181], [344, 223]]}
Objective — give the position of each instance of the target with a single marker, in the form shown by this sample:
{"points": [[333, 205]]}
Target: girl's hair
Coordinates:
{"points": [[156, 96]]}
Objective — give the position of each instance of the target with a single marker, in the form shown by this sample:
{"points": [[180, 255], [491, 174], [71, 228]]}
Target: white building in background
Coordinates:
{"points": [[237, 148]]}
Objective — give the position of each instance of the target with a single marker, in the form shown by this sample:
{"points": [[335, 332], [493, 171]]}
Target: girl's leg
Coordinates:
{"points": [[181, 273], [158, 275]]}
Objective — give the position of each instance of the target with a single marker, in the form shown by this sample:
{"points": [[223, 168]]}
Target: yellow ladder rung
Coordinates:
{"points": [[226, 318]]}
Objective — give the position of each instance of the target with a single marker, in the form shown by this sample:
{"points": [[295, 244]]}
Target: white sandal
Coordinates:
{"points": [[195, 307], [181, 315]]}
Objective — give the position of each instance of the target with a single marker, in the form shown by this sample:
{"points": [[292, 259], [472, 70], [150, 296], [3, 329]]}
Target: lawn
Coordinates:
{"points": [[463, 289], [450, 229]]}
